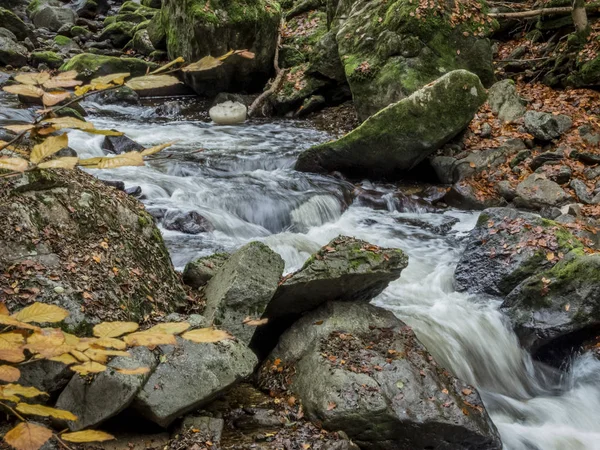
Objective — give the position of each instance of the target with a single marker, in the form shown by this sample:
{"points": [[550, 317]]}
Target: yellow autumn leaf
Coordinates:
{"points": [[14, 164], [116, 78], [206, 63], [152, 82], [54, 83], [65, 358], [550, 256], [25, 90], [169, 328], [205, 335], [19, 128], [12, 322], [9, 374], [54, 98], [109, 342], [138, 371], [82, 357], [100, 356], [157, 148], [82, 90], [122, 160], [41, 312], [22, 391], [69, 122], [32, 78], [27, 436], [114, 329], [87, 436], [179, 60], [11, 347], [45, 411], [88, 367], [3, 309], [8, 398], [68, 162], [104, 132], [147, 339], [245, 54], [48, 343]]}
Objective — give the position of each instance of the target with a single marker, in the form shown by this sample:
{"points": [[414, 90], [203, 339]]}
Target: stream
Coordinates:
{"points": [[243, 183]]}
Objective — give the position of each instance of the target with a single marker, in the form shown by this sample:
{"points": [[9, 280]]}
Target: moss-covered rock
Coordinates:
{"points": [[197, 28], [156, 33], [79, 31], [119, 33], [51, 59], [53, 17], [296, 87], [11, 22], [89, 65], [12, 53], [130, 17], [81, 245], [141, 43], [557, 307], [390, 49], [403, 134], [200, 271]]}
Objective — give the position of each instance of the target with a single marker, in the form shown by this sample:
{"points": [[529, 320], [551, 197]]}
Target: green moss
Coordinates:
{"points": [[62, 40], [33, 6], [51, 59], [79, 31], [109, 20]]}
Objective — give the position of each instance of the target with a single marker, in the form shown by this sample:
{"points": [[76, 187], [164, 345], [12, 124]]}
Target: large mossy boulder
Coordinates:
{"points": [[197, 28], [11, 22], [506, 247], [53, 16], [357, 368], [403, 134], [72, 241], [90, 65], [391, 48], [119, 33], [558, 308]]}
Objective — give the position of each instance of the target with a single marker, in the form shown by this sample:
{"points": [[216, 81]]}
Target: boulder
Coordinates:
{"points": [[53, 17], [228, 113], [120, 144], [91, 8], [12, 53], [546, 126], [345, 269], [462, 195], [108, 393], [242, 287], [192, 375], [195, 29], [505, 101], [79, 244], [121, 96], [403, 134], [141, 43], [156, 33], [392, 48], [325, 59], [557, 307], [506, 247], [189, 222], [90, 65], [51, 59], [199, 272], [12, 23], [47, 376], [119, 33], [537, 192], [357, 368]]}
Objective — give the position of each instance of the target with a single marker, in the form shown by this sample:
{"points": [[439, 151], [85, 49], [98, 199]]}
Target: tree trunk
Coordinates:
{"points": [[580, 17]]}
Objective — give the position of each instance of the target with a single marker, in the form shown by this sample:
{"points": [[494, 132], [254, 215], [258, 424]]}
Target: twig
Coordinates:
{"points": [[541, 12], [522, 60], [13, 411], [61, 442]]}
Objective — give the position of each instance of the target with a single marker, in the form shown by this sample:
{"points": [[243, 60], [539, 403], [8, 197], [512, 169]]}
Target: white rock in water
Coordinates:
{"points": [[228, 113]]}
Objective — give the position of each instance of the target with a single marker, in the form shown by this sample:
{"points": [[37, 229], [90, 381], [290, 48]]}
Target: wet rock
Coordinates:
{"points": [[12, 53], [191, 376], [476, 162], [7, 34], [10, 21], [444, 168], [558, 306], [345, 269], [200, 271], [189, 222], [119, 33], [90, 65], [507, 246], [89, 9], [538, 191], [545, 158], [50, 59], [120, 96], [463, 196], [119, 185], [141, 43], [242, 287], [387, 144], [53, 17], [120, 144], [505, 101], [442, 228], [228, 113], [546, 126], [134, 191], [400, 397], [108, 393], [310, 105], [229, 97]]}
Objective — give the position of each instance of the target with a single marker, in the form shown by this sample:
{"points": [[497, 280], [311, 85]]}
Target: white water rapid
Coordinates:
{"points": [[244, 185]]}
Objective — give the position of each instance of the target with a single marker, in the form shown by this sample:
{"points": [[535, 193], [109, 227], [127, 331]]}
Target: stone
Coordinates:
{"points": [[242, 287], [325, 59], [228, 113], [141, 43], [190, 222], [403, 400], [10, 21], [545, 158], [506, 190], [121, 96], [312, 104], [546, 126], [210, 428], [53, 17], [191, 376], [7, 34], [559, 306], [199, 272], [581, 190], [89, 9], [108, 393], [156, 33], [51, 59], [444, 168], [90, 65], [502, 250], [47, 376], [537, 191], [403, 134], [152, 3], [345, 269], [193, 32], [120, 144], [505, 101], [119, 33], [12, 53], [462, 195], [479, 161]]}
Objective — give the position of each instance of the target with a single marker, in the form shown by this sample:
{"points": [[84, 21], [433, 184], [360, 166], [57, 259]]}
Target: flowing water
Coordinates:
{"points": [[244, 184]]}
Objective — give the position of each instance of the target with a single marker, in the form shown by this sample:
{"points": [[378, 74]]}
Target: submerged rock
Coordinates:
{"points": [[402, 135], [506, 247], [357, 368], [228, 113], [189, 222], [120, 144]]}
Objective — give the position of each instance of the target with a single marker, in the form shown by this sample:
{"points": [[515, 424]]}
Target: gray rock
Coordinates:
{"points": [[12, 53], [120, 144], [210, 428], [546, 126], [506, 190], [581, 190], [7, 34], [558, 174], [345, 269], [519, 158], [551, 309], [587, 134], [403, 134], [478, 161], [592, 173], [503, 250], [505, 101], [486, 131], [537, 191], [141, 43], [47, 376], [108, 393], [200, 271], [242, 288], [53, 17], [10, 21], [188, 222], [192, 375], [325, 59], [389, 393], [462, 195], [120, 96], [444, 167]]}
